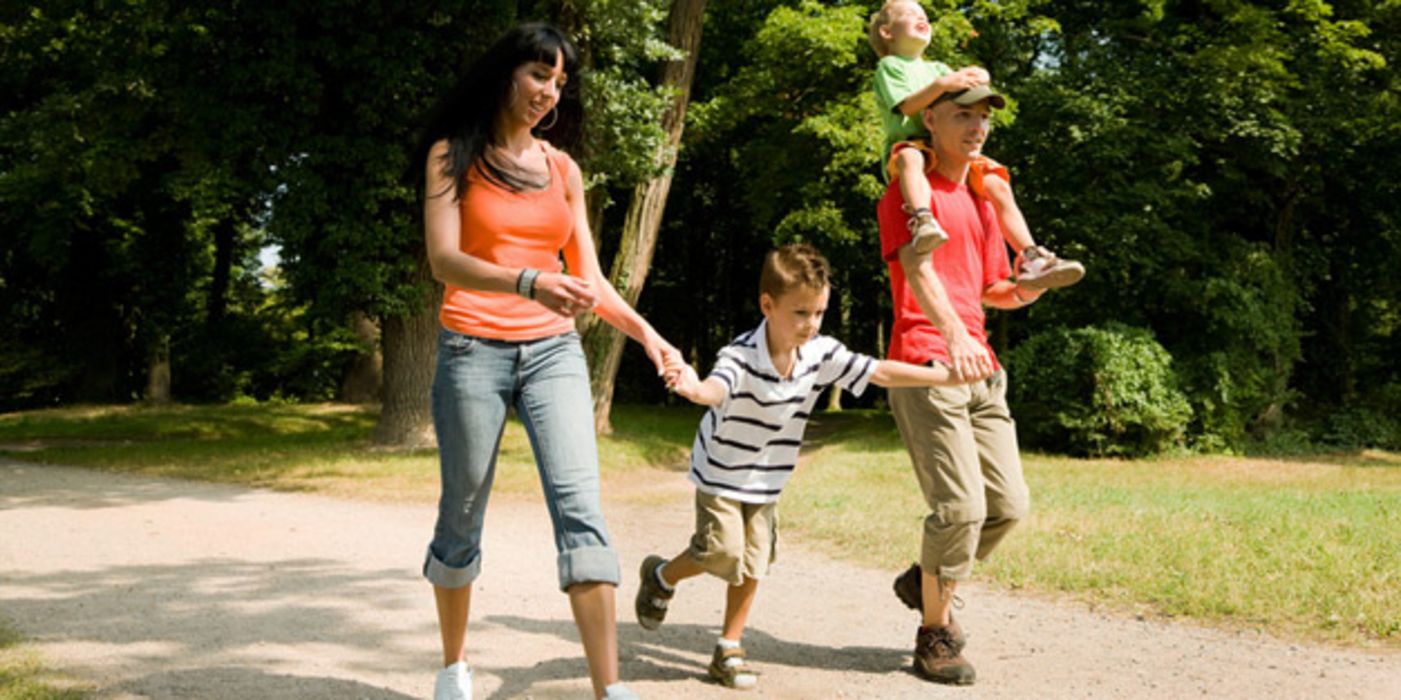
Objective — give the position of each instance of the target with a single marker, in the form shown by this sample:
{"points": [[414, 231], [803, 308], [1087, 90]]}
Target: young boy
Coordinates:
{"points": [[761, 391], [905, 84]]}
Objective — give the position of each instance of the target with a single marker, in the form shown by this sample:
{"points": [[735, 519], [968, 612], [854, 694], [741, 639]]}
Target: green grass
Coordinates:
{"points": [[1305, 547], [23, 675], [323, 448]]}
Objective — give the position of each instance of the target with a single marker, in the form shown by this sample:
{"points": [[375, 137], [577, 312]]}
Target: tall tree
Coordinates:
{"points": [[603, 343]]}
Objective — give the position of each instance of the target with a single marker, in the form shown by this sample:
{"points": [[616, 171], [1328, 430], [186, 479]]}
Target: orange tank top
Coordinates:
{"points": [[511, 229]]}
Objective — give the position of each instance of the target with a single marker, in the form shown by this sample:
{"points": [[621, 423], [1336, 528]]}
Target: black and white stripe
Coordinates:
{"points": [[746, 447]]}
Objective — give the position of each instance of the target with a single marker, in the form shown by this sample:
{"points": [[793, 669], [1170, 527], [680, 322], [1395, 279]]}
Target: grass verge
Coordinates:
{"points": [[1303, 547], [23, 675]]}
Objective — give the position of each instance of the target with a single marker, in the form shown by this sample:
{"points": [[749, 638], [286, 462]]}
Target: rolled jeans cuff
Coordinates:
{"points": [[444, 576], [588, 565]]}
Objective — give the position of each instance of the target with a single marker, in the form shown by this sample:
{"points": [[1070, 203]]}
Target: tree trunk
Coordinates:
{"points": [[366, 372], [224, 238], [158, 372], [410, 350], [603, 343], [1272, 416]]}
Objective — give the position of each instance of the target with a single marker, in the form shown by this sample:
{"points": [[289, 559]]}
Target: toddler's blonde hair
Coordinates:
{"points": [[881, 18]]}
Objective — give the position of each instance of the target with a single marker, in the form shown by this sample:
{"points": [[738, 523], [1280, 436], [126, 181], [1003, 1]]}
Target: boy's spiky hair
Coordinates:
{"points": [[881, 18], [793, 265]]}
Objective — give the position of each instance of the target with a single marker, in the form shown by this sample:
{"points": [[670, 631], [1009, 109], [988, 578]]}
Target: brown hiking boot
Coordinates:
{"points": [[652, 599], [731, 668], [909, 588], [936, 659]]}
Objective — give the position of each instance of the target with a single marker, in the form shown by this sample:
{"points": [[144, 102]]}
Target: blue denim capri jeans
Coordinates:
{"points": [[547, 382]]}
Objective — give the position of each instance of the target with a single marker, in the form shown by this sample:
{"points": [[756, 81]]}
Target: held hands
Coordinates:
{"points": [[969, 360], [685, 383], [665, 356], [564, 294]]}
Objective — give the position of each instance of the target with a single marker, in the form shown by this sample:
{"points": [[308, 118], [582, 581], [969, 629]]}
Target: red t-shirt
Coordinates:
{"points": [[974, 258]]}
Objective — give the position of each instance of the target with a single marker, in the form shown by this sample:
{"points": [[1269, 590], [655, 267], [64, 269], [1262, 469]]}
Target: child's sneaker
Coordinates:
{"points": [[909, 588], [730, 668], [652, 599], [454, 683], [926, 232], [1039, 268], [937, 660]]}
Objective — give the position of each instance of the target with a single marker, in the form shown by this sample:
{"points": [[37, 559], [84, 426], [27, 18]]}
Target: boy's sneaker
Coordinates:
{"points": [[730, 668], [909, 588], [652, 599], [937, 660], [454, 683], [1039, 268], [926, 232]]}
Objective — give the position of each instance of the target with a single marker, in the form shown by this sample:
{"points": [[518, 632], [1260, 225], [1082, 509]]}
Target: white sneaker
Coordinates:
{"points": [[454, 683], [618, 691]]}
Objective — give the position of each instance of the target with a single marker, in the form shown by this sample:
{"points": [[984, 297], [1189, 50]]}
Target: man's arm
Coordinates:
{"points": [[970, 360], [1007, 294]]}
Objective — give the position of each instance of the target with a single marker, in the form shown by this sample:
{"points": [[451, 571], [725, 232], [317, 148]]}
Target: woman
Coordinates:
{"points": [[500, 207]]}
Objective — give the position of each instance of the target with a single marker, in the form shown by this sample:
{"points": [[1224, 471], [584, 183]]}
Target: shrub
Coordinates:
{"points": [[1097, 391]]}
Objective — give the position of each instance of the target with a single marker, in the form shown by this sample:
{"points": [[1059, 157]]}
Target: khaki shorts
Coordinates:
{"points": [[734, 540]]}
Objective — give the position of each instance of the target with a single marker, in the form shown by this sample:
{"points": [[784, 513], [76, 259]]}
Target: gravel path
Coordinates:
{"points": [[153, 588]]}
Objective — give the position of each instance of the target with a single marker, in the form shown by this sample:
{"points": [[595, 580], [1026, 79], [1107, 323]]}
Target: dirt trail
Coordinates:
{"points": [[152, 588]]}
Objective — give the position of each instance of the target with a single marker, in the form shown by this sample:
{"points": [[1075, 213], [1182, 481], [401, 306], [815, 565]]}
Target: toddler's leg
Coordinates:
{"points": [[925, 231], [1036, 267], [1014, 227]]}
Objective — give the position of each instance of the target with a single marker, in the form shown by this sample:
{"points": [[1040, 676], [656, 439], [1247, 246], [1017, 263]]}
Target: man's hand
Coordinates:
{"points": [[970, 361]]}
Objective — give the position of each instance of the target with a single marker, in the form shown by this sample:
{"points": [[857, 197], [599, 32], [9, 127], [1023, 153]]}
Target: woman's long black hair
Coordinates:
{"points": [[466, 115]]}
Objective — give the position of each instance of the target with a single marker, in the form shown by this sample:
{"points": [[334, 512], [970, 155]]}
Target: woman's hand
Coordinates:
{"points": [[564, 294], [665, 356]]}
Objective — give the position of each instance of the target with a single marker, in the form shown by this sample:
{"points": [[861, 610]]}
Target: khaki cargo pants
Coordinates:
{"points": [[963, 443]]}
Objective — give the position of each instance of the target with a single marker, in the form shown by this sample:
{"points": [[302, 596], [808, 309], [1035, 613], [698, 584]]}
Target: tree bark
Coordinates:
{"points": [[225, 235], [158, 372], [366, 372], [410, 350], [603, 343]]}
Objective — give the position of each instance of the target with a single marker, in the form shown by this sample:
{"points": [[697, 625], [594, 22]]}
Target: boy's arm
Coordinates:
{"points": [[894, 373], [957, 81], [710, 392]]}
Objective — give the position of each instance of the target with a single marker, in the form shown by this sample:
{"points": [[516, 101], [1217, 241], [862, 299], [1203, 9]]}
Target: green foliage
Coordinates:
{"points": [[1224, 169], [1096, 391]]}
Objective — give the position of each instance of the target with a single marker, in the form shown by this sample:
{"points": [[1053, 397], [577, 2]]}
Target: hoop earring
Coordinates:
{"points": [[554, 117]]}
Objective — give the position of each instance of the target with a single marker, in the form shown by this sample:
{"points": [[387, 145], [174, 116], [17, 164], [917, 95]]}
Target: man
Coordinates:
{"points": [[961, 439]]}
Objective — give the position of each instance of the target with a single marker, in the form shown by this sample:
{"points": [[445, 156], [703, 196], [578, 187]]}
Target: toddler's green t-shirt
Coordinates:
{"points": [[898, 77]]}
